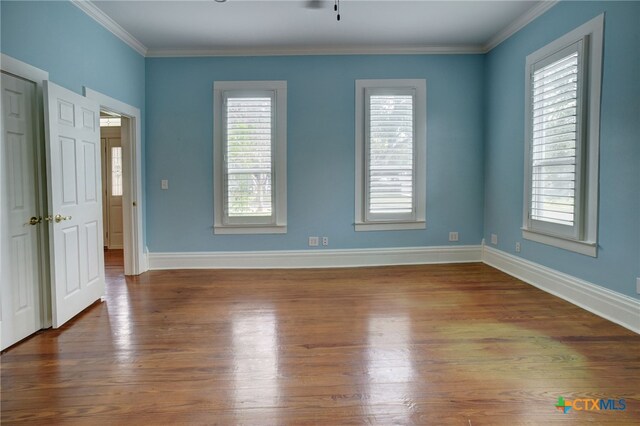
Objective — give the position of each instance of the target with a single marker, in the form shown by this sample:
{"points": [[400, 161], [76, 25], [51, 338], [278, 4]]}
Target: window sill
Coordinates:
{"points": [[244, 229], [588, 248], [389, 226]]}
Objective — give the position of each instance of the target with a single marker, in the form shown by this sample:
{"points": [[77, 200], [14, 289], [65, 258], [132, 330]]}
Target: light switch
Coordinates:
{"points": [[164, 184]]}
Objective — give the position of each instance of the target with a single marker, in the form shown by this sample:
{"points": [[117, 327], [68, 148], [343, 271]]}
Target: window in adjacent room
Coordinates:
{"points": [[390, 154], [562, 136], [110, 121], [250, 157], [116, 171]]}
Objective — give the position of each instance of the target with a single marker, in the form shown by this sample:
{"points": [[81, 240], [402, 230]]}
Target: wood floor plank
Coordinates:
{"points": [[457, 344]]}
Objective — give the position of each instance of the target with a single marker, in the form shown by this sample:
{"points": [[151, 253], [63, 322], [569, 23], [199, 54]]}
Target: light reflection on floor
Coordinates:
{"points": [[390, 365], [120, 320], [255, 355], [121, 329]]}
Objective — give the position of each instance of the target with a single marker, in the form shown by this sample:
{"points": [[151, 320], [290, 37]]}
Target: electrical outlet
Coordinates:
{"points": [[453, 236], [494, 239], [517, 247], [325, 241], [164, 184], [313, 241]]}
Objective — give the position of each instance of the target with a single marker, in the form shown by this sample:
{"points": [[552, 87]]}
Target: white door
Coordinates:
{"points": [[75, 204], [19, 218], [113, 187], [115, 193]]}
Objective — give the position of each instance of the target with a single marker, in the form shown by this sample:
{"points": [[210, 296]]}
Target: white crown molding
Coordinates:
{"points": [[103, 19], [315, 258], [519, 24], [608, 304], [318, 50]]}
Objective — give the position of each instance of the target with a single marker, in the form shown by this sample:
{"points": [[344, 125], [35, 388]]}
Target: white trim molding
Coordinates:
{"points": [[588, 248], [608, 304], [316, 258], [519, 24], [390, 226], [22, 69], [112, 26], [321, 50]]}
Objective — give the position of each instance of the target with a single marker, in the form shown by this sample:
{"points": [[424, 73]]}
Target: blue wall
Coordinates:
{"points": [[76, 51], [60, 38], [475, 131], [617, 264], [321, 149]]}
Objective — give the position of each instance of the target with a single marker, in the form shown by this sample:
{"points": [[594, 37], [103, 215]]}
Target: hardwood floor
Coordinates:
{"points": [[440, 344]]}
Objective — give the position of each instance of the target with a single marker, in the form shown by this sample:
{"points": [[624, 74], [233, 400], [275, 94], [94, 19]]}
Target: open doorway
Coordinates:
{"points": [[135, 261], [112, 191]]}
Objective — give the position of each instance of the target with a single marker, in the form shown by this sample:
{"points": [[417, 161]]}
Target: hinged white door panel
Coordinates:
{"points": [[75, 202], [20, 217]]}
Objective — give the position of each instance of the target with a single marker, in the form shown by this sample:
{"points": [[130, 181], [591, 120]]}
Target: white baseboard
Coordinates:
{"points": [[144, 261], [315, 258], [608, 304]]}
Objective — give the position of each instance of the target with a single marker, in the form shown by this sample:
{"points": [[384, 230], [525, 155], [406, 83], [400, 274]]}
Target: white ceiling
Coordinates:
{"points": [[174, 28]]}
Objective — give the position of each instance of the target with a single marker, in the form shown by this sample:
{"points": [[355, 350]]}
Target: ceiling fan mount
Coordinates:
{"points": [[319, 4], [314, 4]]}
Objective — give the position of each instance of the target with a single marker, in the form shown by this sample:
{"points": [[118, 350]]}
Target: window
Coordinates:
{"points": [[250, 145], [110, 121], [562, 136], [390, 154], [116, 171]]}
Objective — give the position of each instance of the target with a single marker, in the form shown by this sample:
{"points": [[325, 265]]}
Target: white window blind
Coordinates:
{"points": [[556, 145], [249, 156], [562, 131], [390, 155], [391, 152]]}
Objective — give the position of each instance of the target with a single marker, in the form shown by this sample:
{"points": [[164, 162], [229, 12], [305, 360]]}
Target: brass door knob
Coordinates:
{"points": [[34, 220], [59, 218]]}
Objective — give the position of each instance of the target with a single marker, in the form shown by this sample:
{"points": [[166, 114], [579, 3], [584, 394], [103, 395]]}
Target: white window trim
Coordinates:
{"points": [[279, 158], [588, 248], [586, 243], [420, 87]]}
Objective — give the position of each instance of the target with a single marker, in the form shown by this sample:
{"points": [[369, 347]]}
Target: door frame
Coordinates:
{"points": [[132, 201], [37, 76]]}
